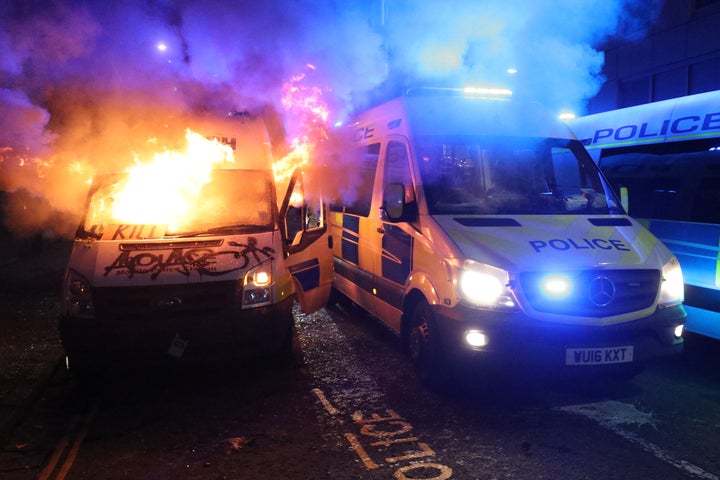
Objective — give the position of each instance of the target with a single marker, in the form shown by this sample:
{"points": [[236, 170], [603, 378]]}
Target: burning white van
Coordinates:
{"points": [[209, 262]]}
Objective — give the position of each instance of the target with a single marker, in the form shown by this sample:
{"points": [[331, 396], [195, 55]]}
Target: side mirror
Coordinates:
{"points": [[625, 199], [394, 201]]}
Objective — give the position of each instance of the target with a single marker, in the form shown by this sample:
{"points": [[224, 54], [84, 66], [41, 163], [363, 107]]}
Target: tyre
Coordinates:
{"points": [[86, 370], [425, 347], [288, 351], [337, 298]]}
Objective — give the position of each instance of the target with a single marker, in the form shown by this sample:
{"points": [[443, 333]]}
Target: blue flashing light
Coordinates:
{"points": [[556, 286]]}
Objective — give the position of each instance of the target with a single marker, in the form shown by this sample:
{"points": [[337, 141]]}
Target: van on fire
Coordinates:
{"points": [[220, 278], [481, 231]]}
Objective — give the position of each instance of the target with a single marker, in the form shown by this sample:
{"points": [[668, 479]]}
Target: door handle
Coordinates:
{"points": [[381, 230]]}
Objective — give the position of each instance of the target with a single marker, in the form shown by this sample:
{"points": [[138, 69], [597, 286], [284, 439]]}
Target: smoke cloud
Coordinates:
{"points": [[85, 86]]}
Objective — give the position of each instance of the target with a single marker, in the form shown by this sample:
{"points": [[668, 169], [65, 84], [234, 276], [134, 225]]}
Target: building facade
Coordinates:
{"points": [[676, 53]]}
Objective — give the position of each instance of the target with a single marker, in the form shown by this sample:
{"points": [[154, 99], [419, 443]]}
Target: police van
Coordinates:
{"points": [[222, 279], [479, 229], [667, 154]]}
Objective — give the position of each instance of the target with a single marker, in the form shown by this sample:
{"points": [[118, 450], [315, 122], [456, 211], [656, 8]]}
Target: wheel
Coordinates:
{"points": [[337, 298], [425, 347], [287, 352], [85, 369]]}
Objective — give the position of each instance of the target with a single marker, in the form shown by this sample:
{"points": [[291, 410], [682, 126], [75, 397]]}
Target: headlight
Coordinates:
{"points": [[77, 294], [485, 286], [672, 289], [257, 287]]}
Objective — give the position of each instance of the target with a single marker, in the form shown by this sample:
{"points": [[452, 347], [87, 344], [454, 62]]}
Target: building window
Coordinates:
{"points": [[698, 4], [705, 76], [634, 92]]}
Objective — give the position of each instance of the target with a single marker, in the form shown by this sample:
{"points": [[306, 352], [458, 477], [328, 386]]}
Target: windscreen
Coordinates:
{"points": [[504, 175], [229, 201]]}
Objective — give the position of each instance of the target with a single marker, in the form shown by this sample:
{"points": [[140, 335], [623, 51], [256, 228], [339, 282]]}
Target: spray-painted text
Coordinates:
{"points": [[204, 261]]}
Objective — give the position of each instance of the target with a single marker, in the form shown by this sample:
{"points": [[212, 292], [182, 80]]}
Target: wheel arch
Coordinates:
{"points": [[419, 288]]}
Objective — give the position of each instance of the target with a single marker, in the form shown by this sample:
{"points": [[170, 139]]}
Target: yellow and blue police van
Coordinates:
{"points": [[479, 229], [219, 279], [667, 154]]}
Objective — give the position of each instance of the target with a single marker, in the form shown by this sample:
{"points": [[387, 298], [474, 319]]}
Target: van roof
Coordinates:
{"points": [[460, 115], [684, 118]]}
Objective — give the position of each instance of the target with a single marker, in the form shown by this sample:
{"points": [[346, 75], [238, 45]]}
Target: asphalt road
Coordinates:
{"points": [[350, 407]]}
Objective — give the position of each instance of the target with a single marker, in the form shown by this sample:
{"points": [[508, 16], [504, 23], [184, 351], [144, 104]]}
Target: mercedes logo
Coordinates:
{"points": [[601, 291]]}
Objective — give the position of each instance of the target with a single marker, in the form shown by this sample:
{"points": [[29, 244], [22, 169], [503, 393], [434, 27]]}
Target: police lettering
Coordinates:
{"points": [[230, 141], [364, 133], [570, 244], [679, 126]]}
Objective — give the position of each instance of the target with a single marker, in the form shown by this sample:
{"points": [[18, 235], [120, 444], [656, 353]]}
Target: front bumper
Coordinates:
{"points": [[117, 339], [514, 340]]}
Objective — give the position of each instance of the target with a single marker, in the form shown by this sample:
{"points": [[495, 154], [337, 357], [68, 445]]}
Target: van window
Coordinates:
{"points": [[671, 186], [503, 175], [397, 169], [354, 180], [707, 202], [231, 201]]}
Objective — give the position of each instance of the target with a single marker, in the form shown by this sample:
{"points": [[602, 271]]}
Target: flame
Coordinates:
{"points": [[306, 102], [164, 191]]}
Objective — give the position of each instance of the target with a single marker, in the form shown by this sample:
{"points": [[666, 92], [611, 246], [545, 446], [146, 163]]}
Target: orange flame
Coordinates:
{"points": [[164, 191], [306, 102]]}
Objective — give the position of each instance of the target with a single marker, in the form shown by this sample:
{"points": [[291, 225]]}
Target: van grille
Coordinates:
{"points": [[595, 293], [155, 301]]}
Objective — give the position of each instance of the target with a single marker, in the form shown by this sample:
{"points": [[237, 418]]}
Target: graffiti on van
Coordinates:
{"points": [[204, 261]]}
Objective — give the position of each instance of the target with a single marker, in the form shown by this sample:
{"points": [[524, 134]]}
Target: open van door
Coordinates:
{"points": [[308, 244]]}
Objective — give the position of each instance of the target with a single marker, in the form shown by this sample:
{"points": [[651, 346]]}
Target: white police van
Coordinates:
{"points": [[667, 154], [479, 229], [221, 280]]}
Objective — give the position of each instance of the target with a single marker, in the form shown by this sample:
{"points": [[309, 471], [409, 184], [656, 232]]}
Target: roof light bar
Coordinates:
{"points": [[487, 91]]}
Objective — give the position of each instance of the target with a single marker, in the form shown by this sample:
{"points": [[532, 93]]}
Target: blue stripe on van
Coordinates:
{"points": [[307, 273], [349, 245], [397, 248]]}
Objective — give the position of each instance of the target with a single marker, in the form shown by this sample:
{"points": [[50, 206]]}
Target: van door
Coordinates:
{"points": [[395, 259], [308, 244]]}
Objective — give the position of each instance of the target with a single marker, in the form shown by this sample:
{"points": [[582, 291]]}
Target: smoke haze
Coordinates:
{"points": [[85, 85]]}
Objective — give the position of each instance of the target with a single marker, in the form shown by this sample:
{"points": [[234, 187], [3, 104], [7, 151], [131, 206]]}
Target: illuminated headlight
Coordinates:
{"points": [[672, 289], [257, 287], [485, 286], [78, 295]]}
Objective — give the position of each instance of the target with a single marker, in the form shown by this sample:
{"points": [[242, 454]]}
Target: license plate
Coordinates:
{"points": [[599, 356]]}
